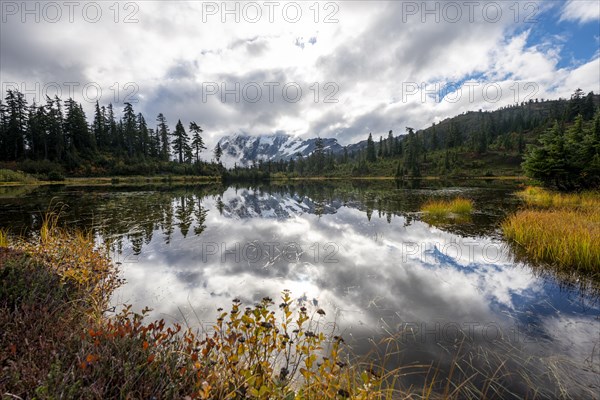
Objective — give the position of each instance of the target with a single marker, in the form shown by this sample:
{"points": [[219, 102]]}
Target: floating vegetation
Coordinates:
{"points": [[444, 208], [453, 211]]}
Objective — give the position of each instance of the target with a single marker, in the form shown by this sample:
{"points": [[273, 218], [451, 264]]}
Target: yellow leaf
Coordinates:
{"points": [[263, 391]]}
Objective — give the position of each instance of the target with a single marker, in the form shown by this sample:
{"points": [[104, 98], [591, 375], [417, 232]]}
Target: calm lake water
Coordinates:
{"points": [[362, 252]]}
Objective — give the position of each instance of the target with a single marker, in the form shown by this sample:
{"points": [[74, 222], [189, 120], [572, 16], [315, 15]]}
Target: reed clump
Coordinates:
{"points": [[3, 237], [559, 229]]}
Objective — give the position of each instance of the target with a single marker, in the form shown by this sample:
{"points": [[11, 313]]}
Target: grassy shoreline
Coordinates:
{"points": [[115, 180], [393, 178], [110, 180], [21, 179], [562, 230]]}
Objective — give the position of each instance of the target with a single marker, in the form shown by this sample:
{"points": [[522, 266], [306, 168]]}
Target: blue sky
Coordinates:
{"points": [[340, 69], [579, 40]]}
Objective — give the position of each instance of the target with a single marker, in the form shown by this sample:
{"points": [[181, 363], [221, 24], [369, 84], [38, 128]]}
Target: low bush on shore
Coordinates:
{"points": [[10, 176]]}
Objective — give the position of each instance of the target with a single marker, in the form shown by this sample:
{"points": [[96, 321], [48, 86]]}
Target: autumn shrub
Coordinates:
{"points": [[51, 288], [250, 354], [42, 316]]}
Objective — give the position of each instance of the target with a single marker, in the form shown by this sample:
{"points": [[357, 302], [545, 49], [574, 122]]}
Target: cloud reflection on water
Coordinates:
{"points": [[388, 277]]}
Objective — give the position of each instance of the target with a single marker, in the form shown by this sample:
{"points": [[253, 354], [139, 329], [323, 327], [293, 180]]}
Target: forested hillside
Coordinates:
{"points": [[56, 138], [477, 143]]}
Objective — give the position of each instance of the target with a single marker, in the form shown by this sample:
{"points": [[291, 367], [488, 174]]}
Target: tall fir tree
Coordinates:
{"points": [[99, 128], [143, 143], [112, 127], [130, 129], [371, 155], [412, 153], [55, 122], [318, 156], [16, 127], [390, 148], [162, 131], [197, 141], [181, 147]]}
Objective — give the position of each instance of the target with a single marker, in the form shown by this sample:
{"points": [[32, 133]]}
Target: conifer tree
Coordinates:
{"points": [[162, 131], [390, 145], [181, 147], [371, 155], [197, 141]]}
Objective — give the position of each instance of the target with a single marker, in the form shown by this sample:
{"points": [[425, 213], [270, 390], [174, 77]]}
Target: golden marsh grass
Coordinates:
{"points": [[558, 229], [541, 198]]}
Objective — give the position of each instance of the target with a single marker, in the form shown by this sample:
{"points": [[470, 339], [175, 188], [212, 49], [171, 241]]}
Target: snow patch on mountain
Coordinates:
{"points": [[244, 150]]}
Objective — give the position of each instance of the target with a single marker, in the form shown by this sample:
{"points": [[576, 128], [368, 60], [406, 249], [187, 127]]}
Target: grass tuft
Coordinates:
{"points": [[444, 208], [50, 223]]}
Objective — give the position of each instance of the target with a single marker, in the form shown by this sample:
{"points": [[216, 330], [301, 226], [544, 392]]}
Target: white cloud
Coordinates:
{"points": [[585, 76], [371, 53], [581, 11]]}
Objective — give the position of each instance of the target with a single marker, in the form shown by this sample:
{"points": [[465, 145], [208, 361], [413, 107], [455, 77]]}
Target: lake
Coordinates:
{"points": [[449, 291]]}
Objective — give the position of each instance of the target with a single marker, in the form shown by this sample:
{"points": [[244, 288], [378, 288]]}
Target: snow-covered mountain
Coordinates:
{"points": [[243, 150], [246, 204]]}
